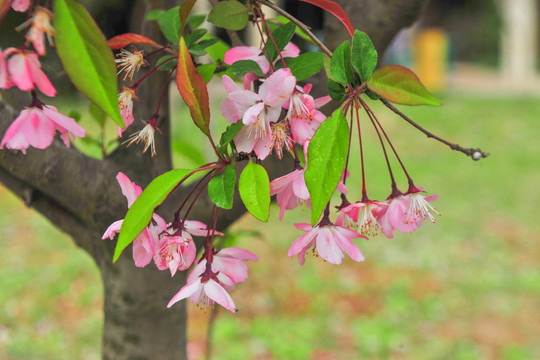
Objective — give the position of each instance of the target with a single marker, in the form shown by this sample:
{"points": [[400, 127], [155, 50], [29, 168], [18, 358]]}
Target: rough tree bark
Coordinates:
{"points": [[80, 196]]}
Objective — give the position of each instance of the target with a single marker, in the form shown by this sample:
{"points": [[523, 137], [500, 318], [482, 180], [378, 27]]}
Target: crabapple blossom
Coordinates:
{"points": [[329, 240], [205, 290], [146, 135], [125, 102], [146, 242], [36, 125], [290, 191], [40, 24], [25, 71], [361, 216], [229, 262], [130, 62], [257, 110]]}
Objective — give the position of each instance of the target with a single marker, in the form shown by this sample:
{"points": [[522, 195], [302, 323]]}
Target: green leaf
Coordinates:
{"points": [[169, 24], [169, 65], [230, 132], [86, 58], [206, 71], [221, 188], [400, 85], [217, 51], [154, 14], [254, 189], [195, 36], [364, 55], [193, 89], [189, 151], [305, 65], [327, 153], [335, 90], [340, 65], [282, 35], [230, 15], [242, 67], [196, 20], [97, 114], [283, 20], [140, 213]]}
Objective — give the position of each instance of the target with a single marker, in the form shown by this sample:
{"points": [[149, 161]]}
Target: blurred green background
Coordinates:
{"points": [[467, 287]]}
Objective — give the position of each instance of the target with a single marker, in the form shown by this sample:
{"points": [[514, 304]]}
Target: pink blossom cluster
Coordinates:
{"points": [[173, 249], [37, 124]]}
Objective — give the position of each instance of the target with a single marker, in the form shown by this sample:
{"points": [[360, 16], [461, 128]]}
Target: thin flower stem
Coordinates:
{"points": [[387, 139], [271, 37], [298, 23], [166, 48], [364, 192], [164, 91], [214, 173], [177, 213], [261, 34], [467, 151], [345, 108], [383, 148], [134, 86]]}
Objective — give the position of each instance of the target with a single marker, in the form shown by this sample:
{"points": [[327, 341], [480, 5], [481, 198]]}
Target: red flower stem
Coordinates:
{"points": [[364, 193], [179, 224], [468, 152], [271, 37], [298, 23], [214, 173], [134, 86], [164, 90], [221, 158], [388, 140], [261, 34], [156, 51], [364, 105], [346, 108]]}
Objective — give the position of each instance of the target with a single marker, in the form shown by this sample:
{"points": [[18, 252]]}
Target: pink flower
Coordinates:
{"points": [[255, 54], [5, 81], [36, 125], [303, 116], [146, 242], [258, 111], [330, 241], [25, 71], [361, 216], [125, 102], [20, 5], [405, 213], [40, 24], [229, 262], [130, 62], [177, 251], [205, 290], [291, 191]]}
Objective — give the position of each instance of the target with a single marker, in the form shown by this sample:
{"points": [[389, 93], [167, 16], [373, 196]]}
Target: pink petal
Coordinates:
{"points": [[185, 292], [18, 71], [278, 88], [243, 141], [238, 253], [290, 50], [263, 145], [233, 268], [20, 5], [217, 293], [328, 248], [113, 229], [38, 129], [251, 116], [343, 238], [64, 122], [38, 76], [240, 53], [129, 189], [303, 242]]}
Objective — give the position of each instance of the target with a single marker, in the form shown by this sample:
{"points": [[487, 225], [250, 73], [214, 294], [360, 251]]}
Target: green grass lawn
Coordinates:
{"points": [[467, 287]]}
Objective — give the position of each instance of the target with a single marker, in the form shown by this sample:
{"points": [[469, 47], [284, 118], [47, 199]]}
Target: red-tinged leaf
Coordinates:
{"points": [[185, 9], [400, 85], [4, 8], [336, 10], [121, 41], [193, 89]]}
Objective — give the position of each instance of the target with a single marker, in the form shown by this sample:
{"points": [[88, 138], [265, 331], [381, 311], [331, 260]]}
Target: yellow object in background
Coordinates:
{"points": [[431, 53]]}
